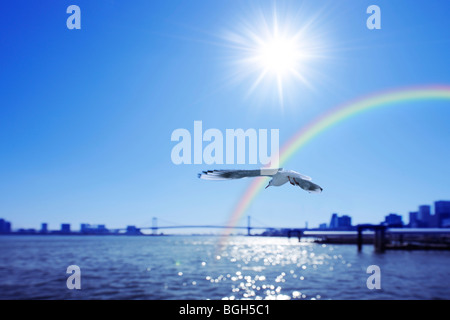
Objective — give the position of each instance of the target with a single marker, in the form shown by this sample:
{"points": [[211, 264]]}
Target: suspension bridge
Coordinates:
{"points": [[380, 235], [155, 227]]}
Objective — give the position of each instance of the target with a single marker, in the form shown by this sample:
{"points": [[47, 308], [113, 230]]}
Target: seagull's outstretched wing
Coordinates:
{"points": [[299, 175], [235, 174], [304, 177], [307, 185]]}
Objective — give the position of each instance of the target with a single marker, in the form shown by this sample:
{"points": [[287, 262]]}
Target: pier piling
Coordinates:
{"points": [[379, 240]]}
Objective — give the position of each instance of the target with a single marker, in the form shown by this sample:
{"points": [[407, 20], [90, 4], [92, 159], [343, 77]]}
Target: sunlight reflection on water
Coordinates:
{"points": [[188, 267]]}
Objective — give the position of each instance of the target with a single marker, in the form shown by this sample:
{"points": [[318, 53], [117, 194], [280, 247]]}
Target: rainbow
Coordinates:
{"points": [[327, 121]]}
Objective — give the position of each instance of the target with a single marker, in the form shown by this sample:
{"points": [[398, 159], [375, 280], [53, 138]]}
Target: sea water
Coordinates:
{"points": [[196, 267]]}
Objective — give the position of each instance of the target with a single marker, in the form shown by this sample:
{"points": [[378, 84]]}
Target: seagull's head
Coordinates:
{"points": [[270, 183]]}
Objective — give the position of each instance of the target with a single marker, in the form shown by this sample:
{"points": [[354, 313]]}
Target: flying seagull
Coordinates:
{"points": [[279, 177]]}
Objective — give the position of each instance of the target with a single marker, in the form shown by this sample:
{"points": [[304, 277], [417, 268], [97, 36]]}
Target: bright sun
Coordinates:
{"points": [[278, 55], [268, 50]]}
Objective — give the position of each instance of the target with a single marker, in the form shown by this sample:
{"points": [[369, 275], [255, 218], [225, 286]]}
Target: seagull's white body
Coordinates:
{"points": [[279, 177]]}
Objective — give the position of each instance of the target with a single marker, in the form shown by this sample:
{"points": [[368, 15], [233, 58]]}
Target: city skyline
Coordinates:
{"points": [[87, 114], [438, 218]]}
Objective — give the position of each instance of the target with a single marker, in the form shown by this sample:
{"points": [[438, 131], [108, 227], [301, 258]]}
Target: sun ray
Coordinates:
{"points": [[280, 89], [258, 81], [301, 78]]}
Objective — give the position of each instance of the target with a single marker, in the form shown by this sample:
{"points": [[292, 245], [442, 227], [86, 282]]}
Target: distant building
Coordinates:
{"points": [[442, 212], [5, 226], [101, 228], [413, 221], [86, 228], [65, 228], [44, 228], [393, 220], [423, 215], [424, 218], [132, 230], [445, 223], [433, 222], [322, 226], [342, 222], [334, 221]]}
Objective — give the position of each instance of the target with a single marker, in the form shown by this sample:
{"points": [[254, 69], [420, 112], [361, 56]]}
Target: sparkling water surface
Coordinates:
{"points": [[194, 267]]}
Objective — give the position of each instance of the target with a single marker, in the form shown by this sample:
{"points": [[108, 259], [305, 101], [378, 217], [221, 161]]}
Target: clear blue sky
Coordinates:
{"points": [[86, 115]]}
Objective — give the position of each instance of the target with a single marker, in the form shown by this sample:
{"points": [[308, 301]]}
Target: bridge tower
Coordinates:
{"points": [[154, 226], [248, 226]]}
